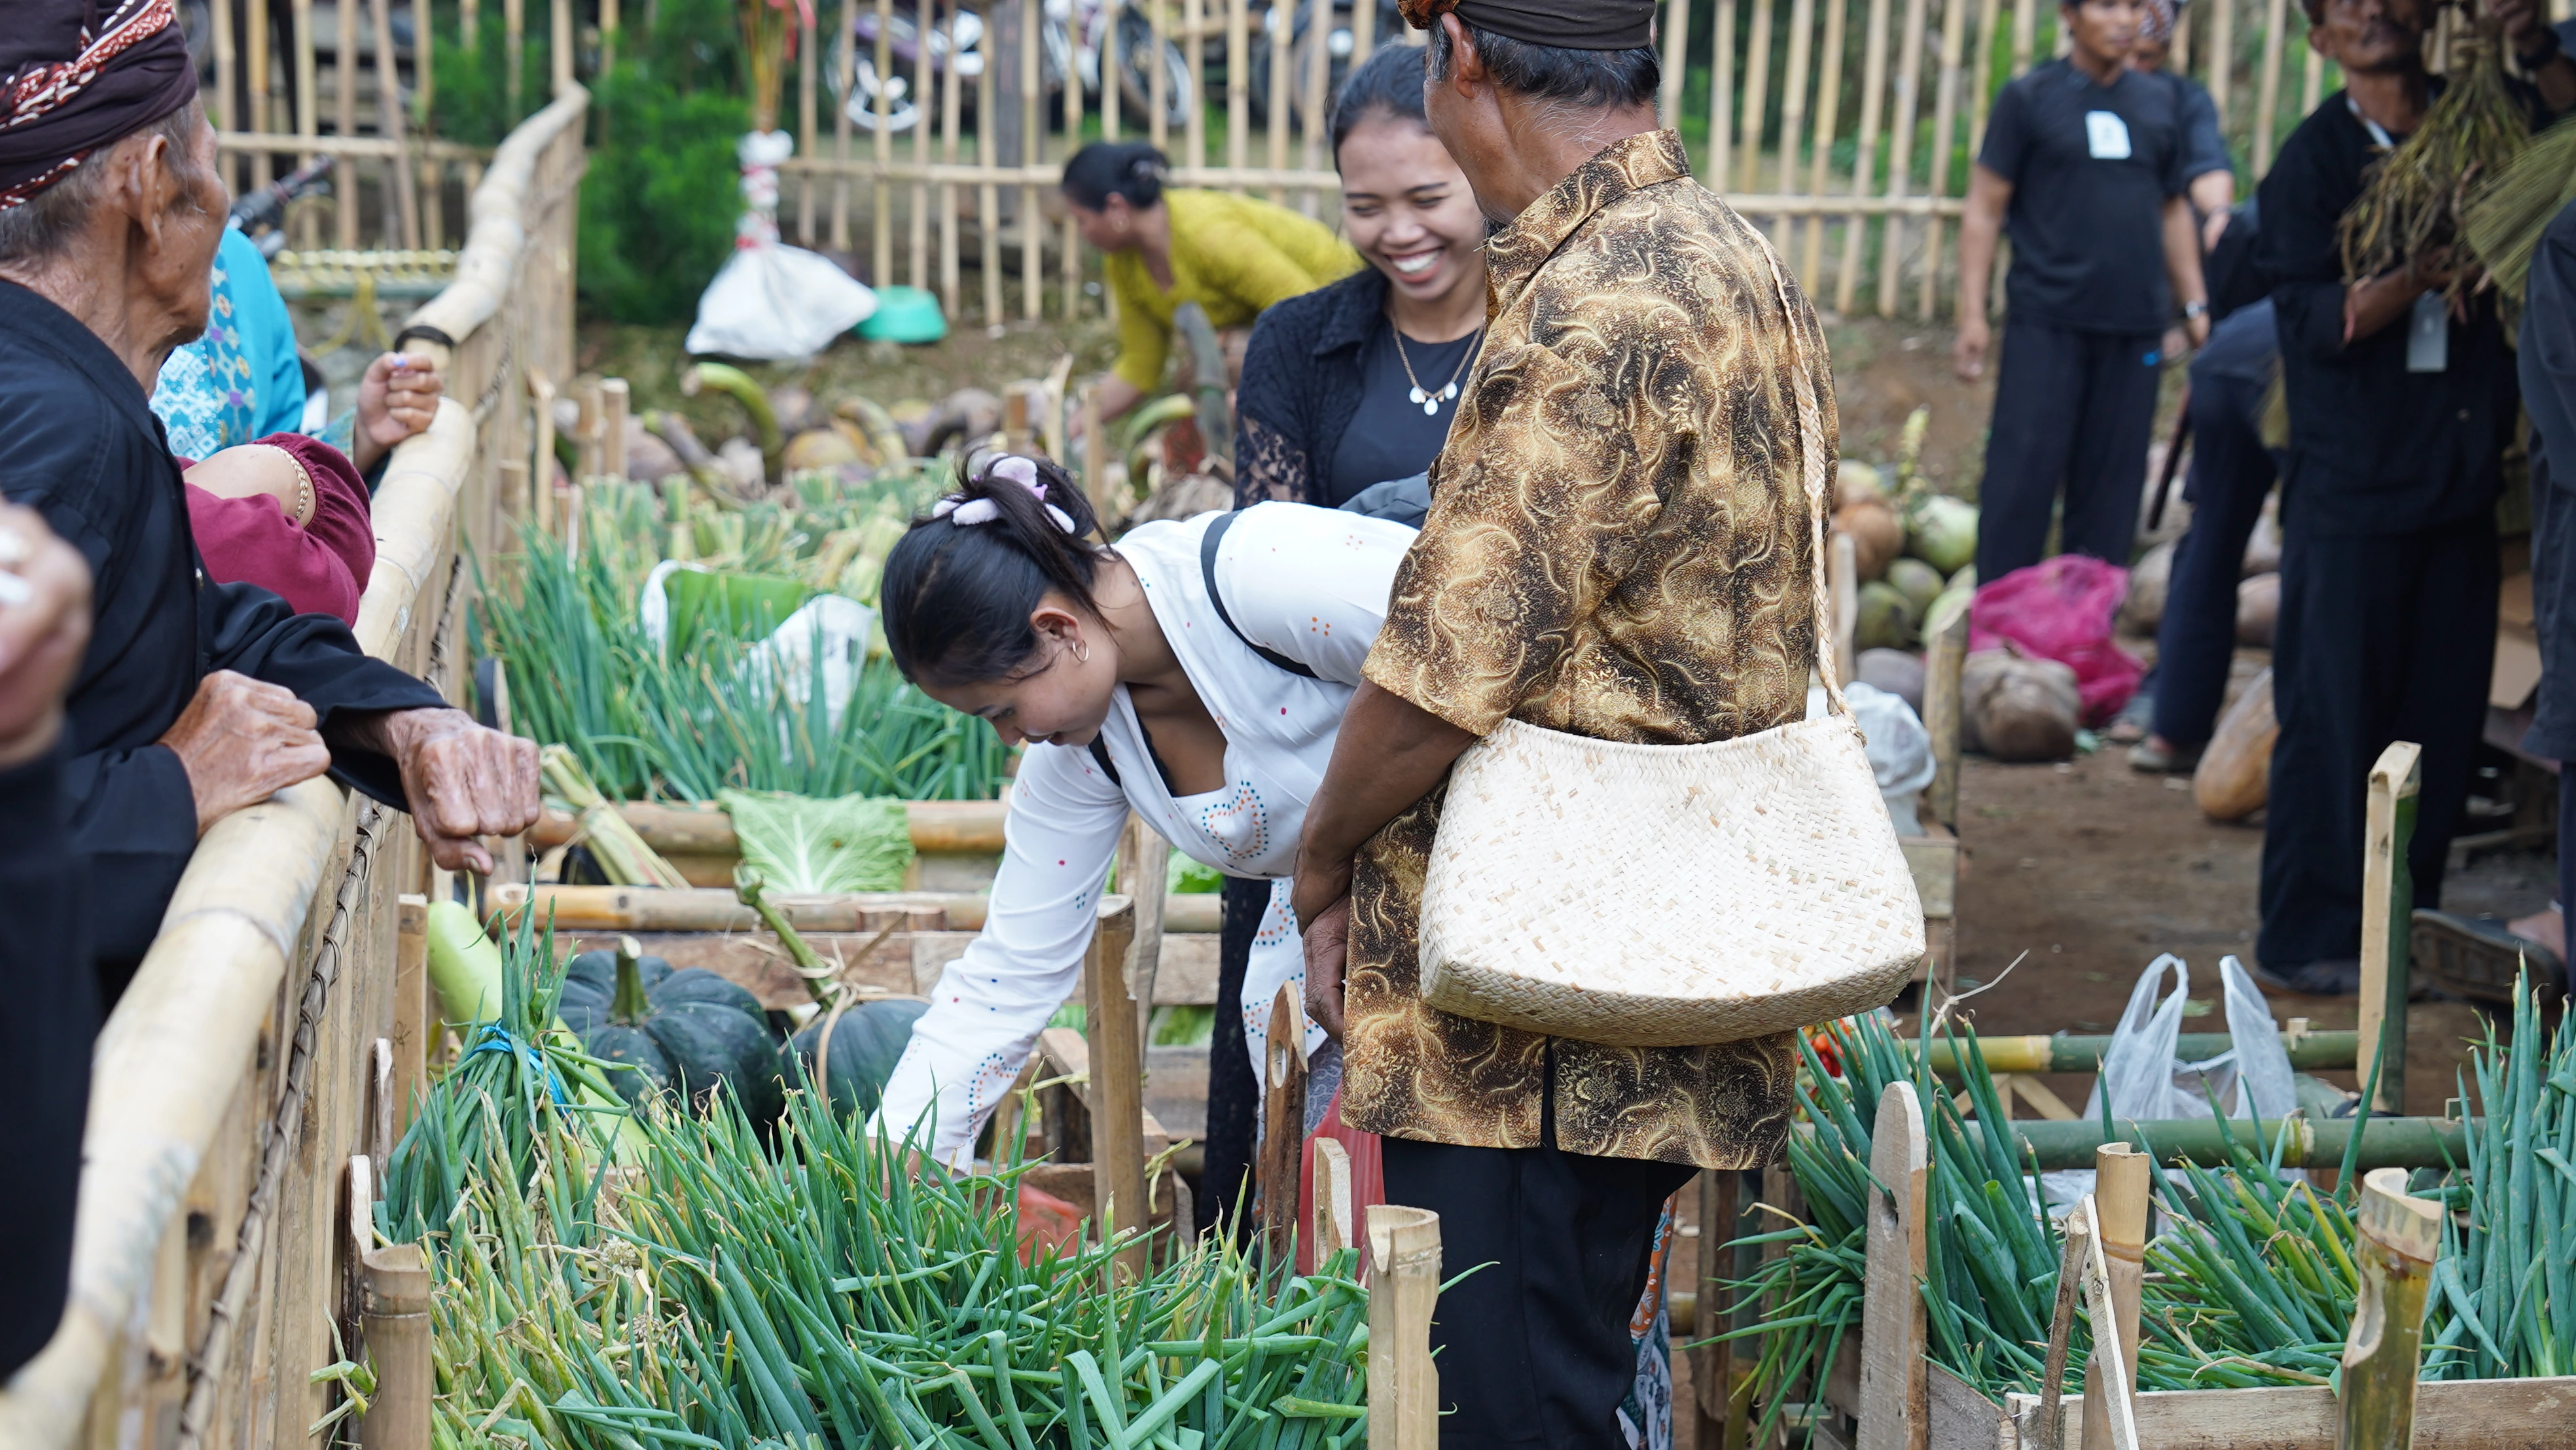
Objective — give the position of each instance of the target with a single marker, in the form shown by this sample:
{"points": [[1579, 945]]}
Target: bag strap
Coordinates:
{"points": [[1811, 454], [1207, 568]]}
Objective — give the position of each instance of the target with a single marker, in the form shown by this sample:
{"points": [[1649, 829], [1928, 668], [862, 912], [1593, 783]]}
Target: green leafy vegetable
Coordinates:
{"points": [[806, 847]]}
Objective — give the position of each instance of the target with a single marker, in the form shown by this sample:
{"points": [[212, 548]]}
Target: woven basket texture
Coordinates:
{"points": [[1761, 889]]}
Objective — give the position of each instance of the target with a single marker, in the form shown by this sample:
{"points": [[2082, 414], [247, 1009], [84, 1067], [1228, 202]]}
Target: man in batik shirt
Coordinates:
{"points": [[1618, 547]]}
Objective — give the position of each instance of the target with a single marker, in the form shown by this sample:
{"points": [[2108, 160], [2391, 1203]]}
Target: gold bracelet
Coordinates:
{"points": [[305, 502]]}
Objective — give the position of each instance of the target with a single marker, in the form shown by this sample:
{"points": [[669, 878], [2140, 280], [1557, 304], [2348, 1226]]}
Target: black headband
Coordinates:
{"points": [[1567, 24]]}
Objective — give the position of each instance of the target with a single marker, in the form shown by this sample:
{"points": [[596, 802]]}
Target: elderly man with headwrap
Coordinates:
{"points": [[1619, 546], [195, 698]]}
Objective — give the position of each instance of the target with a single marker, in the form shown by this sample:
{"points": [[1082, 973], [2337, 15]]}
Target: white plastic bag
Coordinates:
{"points": [[1899, 748], [829, 624], [772, 301]]}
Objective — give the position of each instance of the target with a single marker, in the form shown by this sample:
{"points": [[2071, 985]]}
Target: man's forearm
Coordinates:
{"points": [[2182, 253], [1390, 754], [1977, 233]]}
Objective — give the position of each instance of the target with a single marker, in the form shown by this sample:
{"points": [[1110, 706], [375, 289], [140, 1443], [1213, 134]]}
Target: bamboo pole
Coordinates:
{"points": [[2178, 56], [1276, 21], [1945, 117], [845, 74], [613, 402], [2024, 35], [808, 120], [1319, 81], [608, 29], [988, 198], [1332, 1228], [514, 52], [2222, 57], [2387, 909], [1364, 33], [415, 1019], [227, 66], [1829, 102], [1900, 160], [2312, 82], [389, 97], [1283, 1120], [1158, 101], [262, 116], [951, 101], [1989, 12], [1110, 75], [1757, 94], [1718, 165], [1676, 60], [1873, 92], [2267, 84], [344, 82], [1793, 109], [1194, 125], [1238, 83], [924, 85], [2120, 1198], [308, 102], [1404, 1289], [1033, 153], [396, 1330], [1117, 1090], [2396, 1238], [1070, 241]]}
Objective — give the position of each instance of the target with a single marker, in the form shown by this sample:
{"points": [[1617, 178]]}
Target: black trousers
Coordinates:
{"points": [[2231, 474], [2075, 408], [2380, 639], [1533, 1347], [1234, 1095]]}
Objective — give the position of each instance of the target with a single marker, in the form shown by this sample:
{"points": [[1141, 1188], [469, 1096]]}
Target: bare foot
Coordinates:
{"points": [[2547, 927]]}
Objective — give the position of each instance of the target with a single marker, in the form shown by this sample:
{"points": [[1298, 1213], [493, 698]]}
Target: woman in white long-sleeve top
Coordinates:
{"points": [[1194, 674]]}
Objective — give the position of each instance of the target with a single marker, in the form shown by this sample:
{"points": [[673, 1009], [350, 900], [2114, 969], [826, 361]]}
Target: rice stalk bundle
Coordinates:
{"points": [[2511, 208], [2412, 198]]}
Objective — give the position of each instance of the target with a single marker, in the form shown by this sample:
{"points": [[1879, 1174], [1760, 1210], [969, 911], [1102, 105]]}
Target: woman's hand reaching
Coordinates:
{"points": [[396, 399]]}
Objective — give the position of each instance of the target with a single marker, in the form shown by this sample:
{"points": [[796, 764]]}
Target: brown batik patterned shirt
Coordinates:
{"points": [[1618, 547]]}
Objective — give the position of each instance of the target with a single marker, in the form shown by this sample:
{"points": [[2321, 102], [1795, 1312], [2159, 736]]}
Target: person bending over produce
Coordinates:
{"points": [[1163, 246], [1618, 547], [1195, 675], [196, 698]]}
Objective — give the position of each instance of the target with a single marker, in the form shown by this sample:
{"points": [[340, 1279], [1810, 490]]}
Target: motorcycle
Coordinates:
{"points": [[1069, 41], [1339, 39]]}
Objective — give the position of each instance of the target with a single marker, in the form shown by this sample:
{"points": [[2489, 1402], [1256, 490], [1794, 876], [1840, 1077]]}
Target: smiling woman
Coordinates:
{"points": [[1354, 384]]}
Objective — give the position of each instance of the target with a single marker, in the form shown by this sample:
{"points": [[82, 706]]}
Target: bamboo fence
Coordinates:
{"points": [[278, 1025]]}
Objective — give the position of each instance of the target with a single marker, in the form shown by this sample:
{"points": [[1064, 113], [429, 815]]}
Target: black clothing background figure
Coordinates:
{"points": [[2231, 474], [86, 452], [45, 1037], [2546, 361]]}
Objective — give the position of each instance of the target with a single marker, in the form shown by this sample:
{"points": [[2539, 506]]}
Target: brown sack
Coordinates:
{"points": [[2258, 610], [2015, 707], [2237, 767]]}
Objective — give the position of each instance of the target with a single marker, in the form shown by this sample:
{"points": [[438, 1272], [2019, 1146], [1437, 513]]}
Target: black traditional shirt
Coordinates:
{"points": [[83, 449]]}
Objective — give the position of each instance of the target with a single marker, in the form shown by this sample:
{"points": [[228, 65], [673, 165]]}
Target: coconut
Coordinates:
{"points": [[1898, 672], [2149, 578], [1917, 581], [1887, 617], [794, 407], [2236, 768], [1877, 535], [649, 459], [2018, 708], [1855, 481], [2263, 545], [817, 448], [1941, 531], [2258, 610]]}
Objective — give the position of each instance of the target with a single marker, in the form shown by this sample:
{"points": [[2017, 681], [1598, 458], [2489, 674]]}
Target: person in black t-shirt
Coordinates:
{"points": [[2208, 173], [2400, 405], [2085, 165]]}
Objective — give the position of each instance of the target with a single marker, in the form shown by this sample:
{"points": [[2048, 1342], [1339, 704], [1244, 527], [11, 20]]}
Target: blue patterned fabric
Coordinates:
{"points": [[241, 380]]}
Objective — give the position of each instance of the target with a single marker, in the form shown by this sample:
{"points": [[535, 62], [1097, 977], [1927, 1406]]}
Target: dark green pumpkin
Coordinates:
{"points": [[682, 1031], [866, 1043]]}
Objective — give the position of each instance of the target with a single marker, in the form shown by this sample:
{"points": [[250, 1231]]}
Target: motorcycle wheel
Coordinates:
{"points": [[1135, 80]]}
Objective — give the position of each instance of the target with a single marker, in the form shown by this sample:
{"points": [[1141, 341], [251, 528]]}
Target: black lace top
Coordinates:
{"points": [[1301, 384]]}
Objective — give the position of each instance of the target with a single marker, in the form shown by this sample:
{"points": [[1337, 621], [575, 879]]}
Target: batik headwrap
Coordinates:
{"points": [[78, 74], [1568, 24]]}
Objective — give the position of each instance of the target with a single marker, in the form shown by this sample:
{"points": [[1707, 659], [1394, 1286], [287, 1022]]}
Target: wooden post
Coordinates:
{"points": [[1945, 118], [541, 393], [1158, 103], [2267, 84], [1829, 105], [1721, 100], [1873, 90], [1946, 660], [1404, 1292], [1757, 95], [1900, 151], [1713, 1365], [2109, 1365], [2222, 56], [396, 1327], [559, 40], [257, 38], [808, 71], [1332, 1230], [1032, 153], [2387, 908], [1095, 455], [2075, 1248], [2120, 1231], [586, 429], [1144, 864], [1283, 1120], [923, 86], [1676, 38], [951, 109], [1793, 114], [612, 427], [1895, 1391], [344, 197], [389, 101], [2397, 1239], [1117, 1096], [1238, 84], [1276, 21], [514, 53], [988, 198], [416, 1025]]}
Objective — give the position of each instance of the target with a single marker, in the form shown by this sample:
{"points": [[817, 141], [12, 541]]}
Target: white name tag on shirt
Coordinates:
{"points": [[2428, 335], [2107, 135]]}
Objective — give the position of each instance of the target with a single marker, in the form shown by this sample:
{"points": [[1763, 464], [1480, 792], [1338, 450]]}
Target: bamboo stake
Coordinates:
{"points": [[1829, 102], [2120, 1201], [1757, 94], [415, 1020], [613, 396], [1283, 1121], [1319, 77], [1333, 1226], [1070, 243], [469, 22], [1238, 83], [2178, 58], [1668, 98], [2025, 25], [845, 73], [988, 198], [1719, 163], [2397, 1239], [560, 38], [1895, 1388], [226, 66], [1033, 153], [951, 101], [1900, 160], [514, 52], [344, 81], [1873, 91], [2222, 56], [261, 114], [396, 1327], [2312, 82], [1988, 12], [1404, 1289], [308, 103], [808, 119], [1194, 125], [2387, 909], [389, 95], [1110, 74], [608, 28], [1945, 117], [1275, 20], [1364, 33], [1793, 108], [1117, 1089], [1158, 99], [2267, 84], [541, 392], [1095, 455], [917, 228]]}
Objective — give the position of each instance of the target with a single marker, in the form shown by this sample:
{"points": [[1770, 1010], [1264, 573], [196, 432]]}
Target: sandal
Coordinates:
{"points": [[2146, 759], [2479, 958]]}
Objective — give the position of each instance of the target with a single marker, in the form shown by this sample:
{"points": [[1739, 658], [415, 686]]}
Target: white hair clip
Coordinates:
{"points": [[968, 512]]}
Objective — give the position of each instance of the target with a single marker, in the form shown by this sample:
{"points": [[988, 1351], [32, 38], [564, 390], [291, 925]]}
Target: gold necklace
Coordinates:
{"points": [[1431, 401]]}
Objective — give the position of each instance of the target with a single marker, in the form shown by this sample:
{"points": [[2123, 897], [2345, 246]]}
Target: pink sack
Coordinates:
{"points": [[2062, 609]]}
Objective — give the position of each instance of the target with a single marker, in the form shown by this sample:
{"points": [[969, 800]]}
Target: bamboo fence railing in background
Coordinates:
{"points": [[278, 1026]]}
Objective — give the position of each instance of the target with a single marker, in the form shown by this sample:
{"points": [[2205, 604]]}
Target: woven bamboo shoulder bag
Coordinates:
{"points": [[1673, 895]]}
